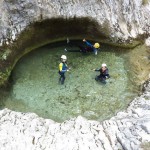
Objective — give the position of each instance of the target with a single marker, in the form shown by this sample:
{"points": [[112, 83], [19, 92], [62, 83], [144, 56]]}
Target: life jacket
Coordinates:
{"points": [[104, 72], [62, 67]]}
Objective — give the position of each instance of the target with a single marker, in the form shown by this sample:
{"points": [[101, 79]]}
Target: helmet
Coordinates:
{"points": [[63, 57], [104, 65], [96, 45]]}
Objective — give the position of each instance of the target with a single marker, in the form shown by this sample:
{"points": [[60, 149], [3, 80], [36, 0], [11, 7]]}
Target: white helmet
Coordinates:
{"points": [[64, 57], [104, 65]]}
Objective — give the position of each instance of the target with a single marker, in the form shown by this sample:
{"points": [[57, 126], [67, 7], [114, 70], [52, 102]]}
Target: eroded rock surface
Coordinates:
{"points": [[127, 130], [121, 19]]}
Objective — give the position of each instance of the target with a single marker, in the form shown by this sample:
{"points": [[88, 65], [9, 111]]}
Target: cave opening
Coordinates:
{"points": [[35, 88]]}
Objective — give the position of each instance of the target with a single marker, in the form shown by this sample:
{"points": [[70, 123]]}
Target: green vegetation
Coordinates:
{"points": [[4, 76]]}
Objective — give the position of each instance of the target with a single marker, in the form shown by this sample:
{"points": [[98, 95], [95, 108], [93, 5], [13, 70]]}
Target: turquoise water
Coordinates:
{"points": [[35, 85]]}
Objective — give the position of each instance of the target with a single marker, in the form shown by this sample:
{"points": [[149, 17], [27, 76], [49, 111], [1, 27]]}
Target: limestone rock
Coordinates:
{"points": [[147, 41], [124, 19]]}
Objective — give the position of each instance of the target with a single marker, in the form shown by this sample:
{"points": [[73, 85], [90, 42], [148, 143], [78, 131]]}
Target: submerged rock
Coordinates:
{"points": [[127, 130]]}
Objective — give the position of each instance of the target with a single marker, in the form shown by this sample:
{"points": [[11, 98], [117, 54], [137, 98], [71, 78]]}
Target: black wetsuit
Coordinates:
{"points": [[103, 75], [84, 49]]}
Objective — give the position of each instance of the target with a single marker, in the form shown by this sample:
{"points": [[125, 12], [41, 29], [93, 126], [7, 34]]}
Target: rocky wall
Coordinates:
{"points": [[121, 19]]}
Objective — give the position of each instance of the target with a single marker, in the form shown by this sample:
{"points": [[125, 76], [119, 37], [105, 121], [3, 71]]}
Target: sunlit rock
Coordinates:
{"points": [[124, 18], [147, 41]]}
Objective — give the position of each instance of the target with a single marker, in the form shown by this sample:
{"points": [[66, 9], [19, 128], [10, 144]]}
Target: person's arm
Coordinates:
{"points": [[96, 69], [87, 43]]}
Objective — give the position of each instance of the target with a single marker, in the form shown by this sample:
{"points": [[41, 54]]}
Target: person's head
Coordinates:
{"points": [[104, 66], [63, 58], [96, 45]]}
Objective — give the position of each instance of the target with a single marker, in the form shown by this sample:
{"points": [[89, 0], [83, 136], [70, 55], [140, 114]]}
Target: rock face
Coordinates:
{"points": [[123, 18], [127, 130]]}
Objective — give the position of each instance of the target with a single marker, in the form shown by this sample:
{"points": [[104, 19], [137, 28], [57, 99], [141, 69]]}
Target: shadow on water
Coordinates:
{"points": [[35, 85]]}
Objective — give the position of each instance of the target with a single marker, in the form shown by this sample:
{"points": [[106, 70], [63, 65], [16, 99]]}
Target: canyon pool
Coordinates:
{"points": [[35, 88]]}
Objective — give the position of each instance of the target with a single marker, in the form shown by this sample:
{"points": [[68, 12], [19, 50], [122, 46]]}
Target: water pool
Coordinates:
{"points": [[35, 85]]}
